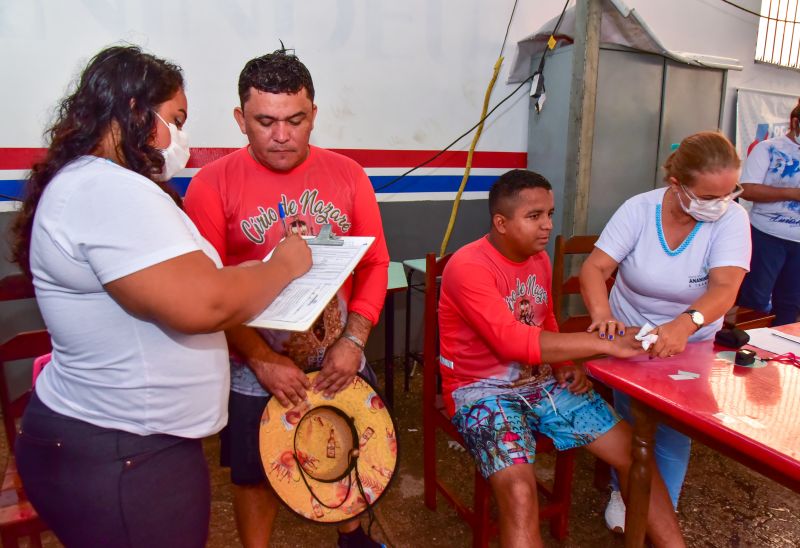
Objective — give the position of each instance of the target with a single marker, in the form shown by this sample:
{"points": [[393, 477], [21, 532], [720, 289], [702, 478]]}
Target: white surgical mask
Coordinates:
{"points": [[176, 155], [708, 210]]}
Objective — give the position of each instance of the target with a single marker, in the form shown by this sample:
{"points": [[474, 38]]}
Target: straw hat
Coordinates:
{"points": [[327, 458]]}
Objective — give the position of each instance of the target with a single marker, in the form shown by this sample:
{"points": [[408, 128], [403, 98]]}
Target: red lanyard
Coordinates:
{"points": [[789, 357]]}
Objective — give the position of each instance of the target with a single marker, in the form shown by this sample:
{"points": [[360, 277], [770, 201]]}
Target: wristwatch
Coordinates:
{"points": [[697, 317]]}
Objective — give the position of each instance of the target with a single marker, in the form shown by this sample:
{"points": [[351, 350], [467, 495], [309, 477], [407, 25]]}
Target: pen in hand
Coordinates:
{"points": [[282, 214]]}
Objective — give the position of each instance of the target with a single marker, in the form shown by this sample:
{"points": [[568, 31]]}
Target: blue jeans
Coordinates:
{"points": [[773, 277], [671, 447]]}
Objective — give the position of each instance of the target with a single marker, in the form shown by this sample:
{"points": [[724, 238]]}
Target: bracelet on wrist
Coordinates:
{"points": [[355, 340]]}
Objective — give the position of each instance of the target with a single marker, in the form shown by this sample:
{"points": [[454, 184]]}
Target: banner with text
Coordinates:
{"points": [[761, 115]]}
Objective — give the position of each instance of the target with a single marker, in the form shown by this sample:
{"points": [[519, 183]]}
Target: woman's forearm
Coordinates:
{"points": [[189, 294], [243, 292], [594, 291], [715, 302], [723, 286]]}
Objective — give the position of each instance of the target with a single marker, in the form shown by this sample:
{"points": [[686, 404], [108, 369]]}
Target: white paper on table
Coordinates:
{"points": [[302, 301], [771, 340]]}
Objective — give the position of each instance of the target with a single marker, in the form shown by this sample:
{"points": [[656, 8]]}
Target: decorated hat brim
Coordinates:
{"points": [[376, 463]]}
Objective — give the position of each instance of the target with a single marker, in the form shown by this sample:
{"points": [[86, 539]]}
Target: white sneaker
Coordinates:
{"points": [[615, 513]]}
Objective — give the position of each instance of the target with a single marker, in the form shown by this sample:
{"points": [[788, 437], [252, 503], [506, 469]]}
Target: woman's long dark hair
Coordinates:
{"points": [[118, 91]]}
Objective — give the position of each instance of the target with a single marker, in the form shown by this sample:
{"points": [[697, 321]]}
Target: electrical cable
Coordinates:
{"points": [[457, 139], [508, 27], [751, 12], [468, 167]]}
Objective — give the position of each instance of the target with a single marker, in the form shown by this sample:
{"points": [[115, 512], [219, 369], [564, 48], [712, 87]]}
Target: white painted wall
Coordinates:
{"points": [[390, 74], [405, 74]]}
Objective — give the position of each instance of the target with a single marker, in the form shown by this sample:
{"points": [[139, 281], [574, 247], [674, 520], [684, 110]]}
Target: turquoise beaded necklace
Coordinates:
{"points": [[684, 244]]}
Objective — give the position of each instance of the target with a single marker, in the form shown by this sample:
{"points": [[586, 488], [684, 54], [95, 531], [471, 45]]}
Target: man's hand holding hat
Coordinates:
{"points": [[343, 358]]}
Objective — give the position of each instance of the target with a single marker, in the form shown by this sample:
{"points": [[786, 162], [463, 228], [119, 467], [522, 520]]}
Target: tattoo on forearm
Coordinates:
{"points": [[358, 325]]}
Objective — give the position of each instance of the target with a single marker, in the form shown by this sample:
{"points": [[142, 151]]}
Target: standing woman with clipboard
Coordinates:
{"points": [[134, 298]]}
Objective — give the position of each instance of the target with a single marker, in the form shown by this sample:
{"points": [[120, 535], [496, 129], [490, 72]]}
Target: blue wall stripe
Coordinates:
{"points": [[411, 183], [11, 188]]}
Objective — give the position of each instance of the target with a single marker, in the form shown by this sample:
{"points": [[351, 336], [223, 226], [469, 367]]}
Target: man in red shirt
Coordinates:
{"points": [[234, 202], [504, 365]]}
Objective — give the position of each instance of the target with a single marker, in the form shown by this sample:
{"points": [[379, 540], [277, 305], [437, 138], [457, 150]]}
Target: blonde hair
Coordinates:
{"points": [[704, 152]]}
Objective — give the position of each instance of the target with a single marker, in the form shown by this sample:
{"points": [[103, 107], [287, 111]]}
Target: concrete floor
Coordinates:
{"points": [[723, 505]]}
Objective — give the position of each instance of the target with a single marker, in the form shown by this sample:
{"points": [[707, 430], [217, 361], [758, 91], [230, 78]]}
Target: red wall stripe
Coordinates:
{"points": [[19, 158], [23, 158]]}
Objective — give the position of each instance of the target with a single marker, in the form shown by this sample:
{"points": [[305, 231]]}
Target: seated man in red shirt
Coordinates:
{"points": [[502, 364]]}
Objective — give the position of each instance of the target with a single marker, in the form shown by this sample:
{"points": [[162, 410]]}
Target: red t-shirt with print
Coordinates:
{"points": [[491, 313], [234, 203]]}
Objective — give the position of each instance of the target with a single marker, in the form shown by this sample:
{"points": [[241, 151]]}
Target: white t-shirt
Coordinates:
{"points": [[653, 286], [775, 162], [97, 222]]}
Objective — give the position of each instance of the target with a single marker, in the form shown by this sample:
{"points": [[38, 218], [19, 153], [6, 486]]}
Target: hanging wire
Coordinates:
{"points": [[751, 12], [468, 166], [479, 122], [508, 27]]}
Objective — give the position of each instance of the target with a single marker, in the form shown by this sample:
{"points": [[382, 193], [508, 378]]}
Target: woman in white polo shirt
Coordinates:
{"points": [[135, 301], [682, 252]]}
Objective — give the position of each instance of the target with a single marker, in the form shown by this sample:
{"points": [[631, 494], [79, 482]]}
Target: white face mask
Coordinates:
{"points": [[176, 155], [708, 210]]}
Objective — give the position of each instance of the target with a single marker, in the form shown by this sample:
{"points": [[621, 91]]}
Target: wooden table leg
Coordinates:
{"points": [[388, 316], [407, 365], [644, 427]]}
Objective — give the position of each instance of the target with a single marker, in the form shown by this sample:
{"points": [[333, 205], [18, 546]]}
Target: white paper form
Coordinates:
{"points": [[774, 341], [303, 300]]}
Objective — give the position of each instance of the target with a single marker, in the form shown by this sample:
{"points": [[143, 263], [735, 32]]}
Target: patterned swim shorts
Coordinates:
{"points": [[499, 430]]}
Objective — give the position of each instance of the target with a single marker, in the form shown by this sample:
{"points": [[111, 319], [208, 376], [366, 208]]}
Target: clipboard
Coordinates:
{"points": [[302, 301]]}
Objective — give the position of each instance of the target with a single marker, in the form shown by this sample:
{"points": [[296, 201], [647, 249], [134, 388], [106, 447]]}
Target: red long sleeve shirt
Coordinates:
{"points": [[234, 203], [491, 313]]}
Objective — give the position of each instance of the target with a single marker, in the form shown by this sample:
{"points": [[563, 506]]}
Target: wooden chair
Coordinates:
{"points": [[18, 518], [740, 317], [435, 419], [577, 245]]}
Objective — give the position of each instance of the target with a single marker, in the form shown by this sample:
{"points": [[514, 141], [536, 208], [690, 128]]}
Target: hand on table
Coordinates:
{"points": [[625, 346], [340, 364], [672, 337], [574, 377], [281, 377], [607, 327]]}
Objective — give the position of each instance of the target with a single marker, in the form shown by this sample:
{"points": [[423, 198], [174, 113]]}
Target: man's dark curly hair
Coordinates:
{"points": [[277, 72]]}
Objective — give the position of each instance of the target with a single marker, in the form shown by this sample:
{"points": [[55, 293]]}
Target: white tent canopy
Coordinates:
{"points": [[619, 25]]}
